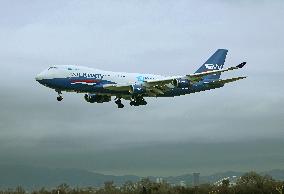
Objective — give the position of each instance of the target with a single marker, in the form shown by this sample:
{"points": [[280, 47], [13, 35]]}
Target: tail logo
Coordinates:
{"points": [[213, 66]]}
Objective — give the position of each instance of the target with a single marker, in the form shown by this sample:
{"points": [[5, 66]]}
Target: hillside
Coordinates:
{"points": [[36, 177]]}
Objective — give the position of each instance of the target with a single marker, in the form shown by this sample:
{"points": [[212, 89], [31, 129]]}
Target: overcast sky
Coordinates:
{"points": [[237, 127]]}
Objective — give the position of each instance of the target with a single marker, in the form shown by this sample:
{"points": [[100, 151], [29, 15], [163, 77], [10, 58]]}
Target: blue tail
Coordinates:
{"points": [[215, 62]]}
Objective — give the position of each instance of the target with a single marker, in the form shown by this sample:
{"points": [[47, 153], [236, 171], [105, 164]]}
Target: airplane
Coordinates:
{"points": [[100, 86]]}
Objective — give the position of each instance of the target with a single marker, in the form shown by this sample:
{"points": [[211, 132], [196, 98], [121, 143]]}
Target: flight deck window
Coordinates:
{"points": [[52, 68]]}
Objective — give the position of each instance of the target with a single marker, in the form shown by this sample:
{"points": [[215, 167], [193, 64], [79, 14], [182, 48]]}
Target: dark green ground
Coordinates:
{"points": [[249, 183]]}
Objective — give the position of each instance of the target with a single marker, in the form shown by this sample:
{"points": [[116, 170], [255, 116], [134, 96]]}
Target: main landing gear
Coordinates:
{"points": [[59, 97], [138, 101], [119, 104]]}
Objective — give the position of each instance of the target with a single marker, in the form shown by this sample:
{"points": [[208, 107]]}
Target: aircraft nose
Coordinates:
{"points": [[39, 77]]}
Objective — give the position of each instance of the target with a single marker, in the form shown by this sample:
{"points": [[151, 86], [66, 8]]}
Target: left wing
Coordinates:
{"points": [[225, 81], [199, 76]]}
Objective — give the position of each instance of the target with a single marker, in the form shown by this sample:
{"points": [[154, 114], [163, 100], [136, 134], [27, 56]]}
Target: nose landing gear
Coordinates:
{"points": [[59, 97]]}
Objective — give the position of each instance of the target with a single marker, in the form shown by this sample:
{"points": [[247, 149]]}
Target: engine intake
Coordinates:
{"points": [[93, 98], [137, 89], [181, 83]]}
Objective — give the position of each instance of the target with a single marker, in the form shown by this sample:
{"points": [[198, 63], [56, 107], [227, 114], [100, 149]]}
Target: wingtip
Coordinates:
{"points": [[242, 65]]}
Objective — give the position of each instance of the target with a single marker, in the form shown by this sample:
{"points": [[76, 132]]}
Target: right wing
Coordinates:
{"points": [[160, 86]]}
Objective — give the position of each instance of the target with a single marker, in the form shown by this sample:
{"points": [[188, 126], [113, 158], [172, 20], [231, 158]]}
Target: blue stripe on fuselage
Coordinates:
{"points": [[74, 84], [67, 84]]}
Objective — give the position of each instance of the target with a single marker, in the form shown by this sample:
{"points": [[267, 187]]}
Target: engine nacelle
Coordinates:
{"points": [[181, 83], [92, 98], [137, 89]]}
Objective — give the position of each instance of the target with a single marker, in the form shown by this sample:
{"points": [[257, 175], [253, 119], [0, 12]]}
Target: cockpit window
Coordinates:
{"points": [[74, 68], [52, 68]]}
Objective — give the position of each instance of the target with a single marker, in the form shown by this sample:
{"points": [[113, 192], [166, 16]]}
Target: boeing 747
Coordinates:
{"points": [[100, 86]]}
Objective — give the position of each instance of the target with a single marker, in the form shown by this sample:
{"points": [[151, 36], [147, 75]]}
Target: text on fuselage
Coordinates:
{"points": [[88, 75]]}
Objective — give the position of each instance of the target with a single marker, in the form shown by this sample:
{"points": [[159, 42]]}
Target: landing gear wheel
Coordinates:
{"points": [[138, 101], [143, 103], [59, 98], [119, 104]]}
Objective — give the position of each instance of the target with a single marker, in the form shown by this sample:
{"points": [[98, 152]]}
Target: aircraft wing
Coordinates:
{"points": [[193, 78], [154, 87], [198, 76], [151, 90]]}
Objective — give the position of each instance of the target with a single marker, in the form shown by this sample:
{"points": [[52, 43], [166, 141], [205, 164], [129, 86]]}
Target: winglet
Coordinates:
{"points": [[241, 65]]}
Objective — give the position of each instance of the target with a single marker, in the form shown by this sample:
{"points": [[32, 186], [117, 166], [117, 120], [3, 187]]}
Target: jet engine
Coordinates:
{"points": [[137, 89], [181, 83], [93, 98]]}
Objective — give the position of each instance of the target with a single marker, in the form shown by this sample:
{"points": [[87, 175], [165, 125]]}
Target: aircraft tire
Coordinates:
{"points": [[120, 106], [59, 98]]}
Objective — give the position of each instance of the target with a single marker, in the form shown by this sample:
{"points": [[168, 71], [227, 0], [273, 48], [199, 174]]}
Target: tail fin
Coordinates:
{"points": [[215, 62]]}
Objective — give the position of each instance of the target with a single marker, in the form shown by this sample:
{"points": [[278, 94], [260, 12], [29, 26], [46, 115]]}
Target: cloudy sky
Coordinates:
{"points": [[238, 127]]}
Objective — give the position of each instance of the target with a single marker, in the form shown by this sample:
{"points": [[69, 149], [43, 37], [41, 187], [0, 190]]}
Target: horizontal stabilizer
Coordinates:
{"points": [[242, 65]]}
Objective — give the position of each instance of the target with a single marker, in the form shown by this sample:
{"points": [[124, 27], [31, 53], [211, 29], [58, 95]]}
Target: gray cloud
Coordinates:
{"points": [[160, 37]]}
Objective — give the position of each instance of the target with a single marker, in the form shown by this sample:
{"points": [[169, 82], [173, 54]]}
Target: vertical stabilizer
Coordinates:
{"points": [[215, 62]]}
